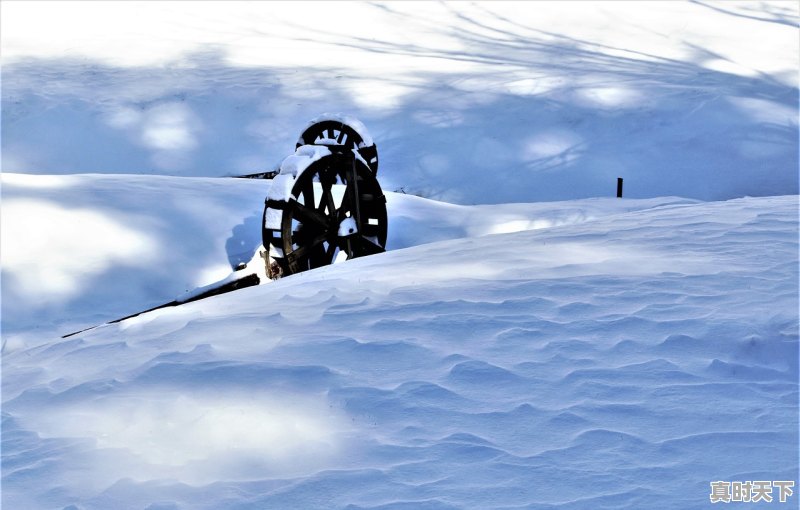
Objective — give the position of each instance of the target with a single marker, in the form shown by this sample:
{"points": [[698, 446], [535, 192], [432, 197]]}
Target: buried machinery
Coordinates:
{"points": [[324, 205]]}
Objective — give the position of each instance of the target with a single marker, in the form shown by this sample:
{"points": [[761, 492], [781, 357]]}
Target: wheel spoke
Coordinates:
{"points": [[348, 201], [349, 193], [329, 253], [366, 246], [306, 214], [347, 247], [326, 200], [302, 251], [370, 230]]}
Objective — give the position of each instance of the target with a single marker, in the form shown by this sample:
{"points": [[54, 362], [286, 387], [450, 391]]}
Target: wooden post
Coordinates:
{"points": [[619, 187]]}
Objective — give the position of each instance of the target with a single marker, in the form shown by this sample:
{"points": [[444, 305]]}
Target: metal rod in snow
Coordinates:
{"points": [[619, 187], [215, 289]]}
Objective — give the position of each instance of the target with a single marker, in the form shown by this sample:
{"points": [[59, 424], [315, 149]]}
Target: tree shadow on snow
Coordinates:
{"points": [[540, 117], [546, 117]]}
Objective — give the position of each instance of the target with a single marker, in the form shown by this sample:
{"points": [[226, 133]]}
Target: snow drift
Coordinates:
{"points": [[628, 352]]}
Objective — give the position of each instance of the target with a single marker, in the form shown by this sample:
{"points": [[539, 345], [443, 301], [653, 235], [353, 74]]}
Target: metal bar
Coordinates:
{"points": [[357, 196], [247, 281]]}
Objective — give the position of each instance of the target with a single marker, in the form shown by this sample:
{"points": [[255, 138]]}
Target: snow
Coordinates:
{"points": [[357, 125], [282, 184], [573, 353], [303, 157], [347, 227], [554, 100], [527, 341], [172, 235]]}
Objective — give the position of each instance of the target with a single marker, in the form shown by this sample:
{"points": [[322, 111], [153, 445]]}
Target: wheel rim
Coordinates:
{"points": [[340, 137]]}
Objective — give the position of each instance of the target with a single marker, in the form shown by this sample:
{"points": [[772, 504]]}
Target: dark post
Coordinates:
{"points": [[619, 187]]}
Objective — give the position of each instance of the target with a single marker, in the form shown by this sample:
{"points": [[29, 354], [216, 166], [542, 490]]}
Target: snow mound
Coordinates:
{"points": [[603, 363], [84, 249]]}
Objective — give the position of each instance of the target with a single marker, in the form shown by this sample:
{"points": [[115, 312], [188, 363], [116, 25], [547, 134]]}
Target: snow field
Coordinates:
{"points": [[631, 357]]}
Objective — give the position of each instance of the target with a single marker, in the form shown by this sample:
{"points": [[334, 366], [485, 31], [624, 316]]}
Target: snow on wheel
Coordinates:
{"points": [[341, 133]]}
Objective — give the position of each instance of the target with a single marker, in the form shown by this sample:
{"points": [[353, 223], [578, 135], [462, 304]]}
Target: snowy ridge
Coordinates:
{"points": [[602, 363], [163, 237]]}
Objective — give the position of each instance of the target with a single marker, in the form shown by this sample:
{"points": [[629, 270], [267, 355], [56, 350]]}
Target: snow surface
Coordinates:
{"points": [[578, 353], [79, 250], [552, 100], [601, 353]]}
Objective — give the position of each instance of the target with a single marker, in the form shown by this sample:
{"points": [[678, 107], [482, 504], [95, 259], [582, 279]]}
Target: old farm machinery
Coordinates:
{"points": [[324, 205]]}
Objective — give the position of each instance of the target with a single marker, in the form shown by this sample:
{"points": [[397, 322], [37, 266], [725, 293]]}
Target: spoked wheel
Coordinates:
{"points": [[336, 211], [344, 134]]}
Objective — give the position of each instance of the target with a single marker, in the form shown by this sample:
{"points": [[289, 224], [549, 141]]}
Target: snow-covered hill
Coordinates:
{"points": [[84, 249], [600, 353]]}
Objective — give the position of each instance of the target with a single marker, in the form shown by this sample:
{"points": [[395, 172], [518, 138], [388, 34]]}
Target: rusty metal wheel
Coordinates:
{"points": [[333, 209]]}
